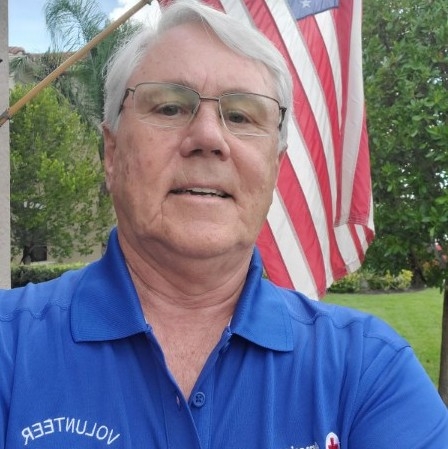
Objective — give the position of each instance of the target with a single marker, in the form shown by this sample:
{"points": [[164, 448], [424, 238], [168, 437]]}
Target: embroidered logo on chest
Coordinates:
{"points": [[332, 441]]}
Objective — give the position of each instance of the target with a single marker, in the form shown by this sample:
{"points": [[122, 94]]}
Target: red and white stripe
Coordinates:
{"points": [[321, 219]]}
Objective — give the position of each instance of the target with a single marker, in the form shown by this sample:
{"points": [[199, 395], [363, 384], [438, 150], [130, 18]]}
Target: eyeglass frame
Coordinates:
{"points": [[282, 109]]}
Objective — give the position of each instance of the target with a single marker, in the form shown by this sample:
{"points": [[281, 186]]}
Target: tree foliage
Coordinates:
{"points": [[406, 85], [56, 178], [72, 24]]}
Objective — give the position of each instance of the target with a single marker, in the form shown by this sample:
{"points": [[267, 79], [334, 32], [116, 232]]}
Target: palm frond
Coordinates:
{"points": [[73, 23]]}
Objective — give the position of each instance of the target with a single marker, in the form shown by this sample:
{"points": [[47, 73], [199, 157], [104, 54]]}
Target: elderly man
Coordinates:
{"points": [[173, 339]]}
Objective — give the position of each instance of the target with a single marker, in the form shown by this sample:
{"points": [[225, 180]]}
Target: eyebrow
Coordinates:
{"points": [[192, 85]]}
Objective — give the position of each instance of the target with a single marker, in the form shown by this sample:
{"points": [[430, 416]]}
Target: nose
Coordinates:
{"points": [[205, 134]]}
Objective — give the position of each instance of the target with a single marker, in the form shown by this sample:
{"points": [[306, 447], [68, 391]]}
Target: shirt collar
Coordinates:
{"points": [[261, 315], [105, 305]]}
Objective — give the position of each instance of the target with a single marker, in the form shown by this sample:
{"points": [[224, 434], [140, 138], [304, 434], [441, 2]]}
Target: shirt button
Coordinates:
{"points": [[199, 399]]}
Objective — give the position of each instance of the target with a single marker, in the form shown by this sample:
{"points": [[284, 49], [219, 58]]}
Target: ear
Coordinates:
{"points": [[280, 157], [109, 154], [282, 154]]}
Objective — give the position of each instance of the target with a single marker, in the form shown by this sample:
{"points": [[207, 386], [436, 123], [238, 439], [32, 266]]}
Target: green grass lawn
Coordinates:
{"points": [[417, 316]]}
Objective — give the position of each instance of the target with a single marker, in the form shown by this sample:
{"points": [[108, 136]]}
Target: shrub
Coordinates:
{"points": [[434, 273], [348, 284], [404, 280], [365, 280], [23, 274]]}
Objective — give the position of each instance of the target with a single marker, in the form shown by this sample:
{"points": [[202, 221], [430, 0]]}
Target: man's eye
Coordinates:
{"points": [[170, 110], [237, 117]]}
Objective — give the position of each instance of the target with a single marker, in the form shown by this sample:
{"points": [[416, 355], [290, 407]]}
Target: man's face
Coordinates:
{"points": [[158, 176]]}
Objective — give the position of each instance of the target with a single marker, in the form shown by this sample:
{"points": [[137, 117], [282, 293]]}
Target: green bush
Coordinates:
{"points": [[366, 280], [348, 284], [23, 274], [435, 272], [403, 281]]}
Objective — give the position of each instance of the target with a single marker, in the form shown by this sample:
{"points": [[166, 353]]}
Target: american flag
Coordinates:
{"points": [[321, 220]]}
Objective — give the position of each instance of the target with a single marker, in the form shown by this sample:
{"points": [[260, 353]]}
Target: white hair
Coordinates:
{"points": [[244, 40]]}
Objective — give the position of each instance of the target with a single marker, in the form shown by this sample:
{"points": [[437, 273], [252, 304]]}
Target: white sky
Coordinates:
{"points": [[27, 29]]}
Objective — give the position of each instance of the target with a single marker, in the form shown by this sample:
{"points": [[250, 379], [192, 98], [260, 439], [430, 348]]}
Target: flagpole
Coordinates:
{"points": [[9, 112]]}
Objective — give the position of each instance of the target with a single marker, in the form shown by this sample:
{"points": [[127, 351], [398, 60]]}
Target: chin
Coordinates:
{"points": [[208, 247]]}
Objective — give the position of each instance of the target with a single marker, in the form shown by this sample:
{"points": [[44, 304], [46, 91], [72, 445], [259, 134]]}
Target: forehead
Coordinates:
{"points": [[193, 55]]}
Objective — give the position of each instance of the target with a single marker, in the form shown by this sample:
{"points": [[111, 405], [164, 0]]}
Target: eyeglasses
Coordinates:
{"points": [[170, 105]]}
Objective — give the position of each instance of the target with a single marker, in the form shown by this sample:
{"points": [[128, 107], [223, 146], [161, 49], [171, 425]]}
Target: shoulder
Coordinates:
{"points": [[35, 300], [308, 312], [336, 325], [374, 370]]}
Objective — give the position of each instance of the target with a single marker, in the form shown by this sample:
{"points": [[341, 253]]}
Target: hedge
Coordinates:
{"points": [[365, 281], [23, 274], [359, 281]]}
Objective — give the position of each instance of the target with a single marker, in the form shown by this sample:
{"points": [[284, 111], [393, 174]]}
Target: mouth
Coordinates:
{"points": [[201, 191]]}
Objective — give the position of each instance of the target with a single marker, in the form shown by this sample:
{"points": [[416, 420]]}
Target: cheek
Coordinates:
{"points": [[143, 168], [123, 173], [131, 155], [127, 166], [259, 179], [261, 175]]}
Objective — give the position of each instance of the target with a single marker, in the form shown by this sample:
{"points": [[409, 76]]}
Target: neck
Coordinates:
{"points": [[196, 285], [188, 303]]}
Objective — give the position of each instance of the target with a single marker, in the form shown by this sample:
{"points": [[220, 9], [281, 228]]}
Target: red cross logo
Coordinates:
{"points": [[332, 441]]}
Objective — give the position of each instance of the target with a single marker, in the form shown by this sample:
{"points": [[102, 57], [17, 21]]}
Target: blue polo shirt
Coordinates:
{"points": [[80, 369]]}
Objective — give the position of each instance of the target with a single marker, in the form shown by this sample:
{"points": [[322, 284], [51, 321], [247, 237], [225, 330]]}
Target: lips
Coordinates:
{"points": [[201, 191]]}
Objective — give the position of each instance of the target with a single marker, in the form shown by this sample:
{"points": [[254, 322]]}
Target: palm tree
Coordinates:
{"points": [[30, 68], [72, 24]]}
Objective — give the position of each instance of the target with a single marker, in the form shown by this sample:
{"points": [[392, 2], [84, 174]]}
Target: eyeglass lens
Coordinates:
{"points": [[171, 106]]}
